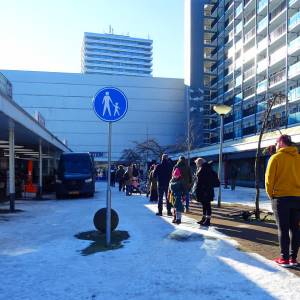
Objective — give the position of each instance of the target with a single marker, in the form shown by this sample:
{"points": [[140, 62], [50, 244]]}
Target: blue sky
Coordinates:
{"points": [[47, 34]]}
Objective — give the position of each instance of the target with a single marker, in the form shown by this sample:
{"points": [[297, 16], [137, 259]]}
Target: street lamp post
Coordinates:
{"points": [[188, 96], [221, 110]]}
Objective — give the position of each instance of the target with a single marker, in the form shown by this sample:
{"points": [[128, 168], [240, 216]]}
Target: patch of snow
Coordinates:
{"points": [[196, 264]]}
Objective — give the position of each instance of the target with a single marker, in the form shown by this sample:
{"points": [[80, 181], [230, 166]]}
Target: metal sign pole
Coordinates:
{"points": [[110, 105], [108, 193]]}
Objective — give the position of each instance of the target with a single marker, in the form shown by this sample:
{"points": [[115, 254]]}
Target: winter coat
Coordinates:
{"points": [[153, 187], [128, 176], [135, 172], [186, 175], [163, 173], [204, 187], [119, 174], [176, 186], [282, 174]]}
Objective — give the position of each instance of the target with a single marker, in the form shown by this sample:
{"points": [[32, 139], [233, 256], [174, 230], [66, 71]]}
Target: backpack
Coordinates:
{"points": [[215, 179]]}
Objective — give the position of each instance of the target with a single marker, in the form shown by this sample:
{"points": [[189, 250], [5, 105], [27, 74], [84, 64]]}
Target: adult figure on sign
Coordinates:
{"points": [[106, 104]]}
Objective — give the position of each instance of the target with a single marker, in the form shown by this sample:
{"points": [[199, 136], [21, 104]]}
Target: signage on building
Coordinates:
{"points": [[110, 104], [97, 154], [41, 120]]}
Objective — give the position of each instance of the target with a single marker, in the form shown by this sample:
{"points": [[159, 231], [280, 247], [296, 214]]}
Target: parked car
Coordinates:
{"points": [[75, 175]]}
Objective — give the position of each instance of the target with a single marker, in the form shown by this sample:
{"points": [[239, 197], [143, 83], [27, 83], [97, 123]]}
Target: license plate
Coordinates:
{"points": [[74, 193]]}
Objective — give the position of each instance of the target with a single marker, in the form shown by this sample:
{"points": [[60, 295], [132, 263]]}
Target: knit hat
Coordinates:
{"points": [[176, 173], [286, 139]]}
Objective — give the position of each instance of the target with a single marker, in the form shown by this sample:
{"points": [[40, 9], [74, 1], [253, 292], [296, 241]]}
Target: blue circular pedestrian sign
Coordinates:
{"points": [[110, 104]]}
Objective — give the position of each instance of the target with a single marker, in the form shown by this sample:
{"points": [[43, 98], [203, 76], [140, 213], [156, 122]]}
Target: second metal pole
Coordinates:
{"points": [[220, 160], [108, 191]]}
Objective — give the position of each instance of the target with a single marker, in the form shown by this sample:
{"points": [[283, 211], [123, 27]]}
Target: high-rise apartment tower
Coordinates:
{"points": [[116, 54], [251, 52]]}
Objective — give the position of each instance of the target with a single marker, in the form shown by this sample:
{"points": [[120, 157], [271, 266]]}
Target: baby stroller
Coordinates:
{"points": [[135, 186], [144, 187]]}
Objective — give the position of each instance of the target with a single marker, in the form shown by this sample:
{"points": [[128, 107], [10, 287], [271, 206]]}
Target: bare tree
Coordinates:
{"points": [[152, 148], [130, 156], [266, 123]]}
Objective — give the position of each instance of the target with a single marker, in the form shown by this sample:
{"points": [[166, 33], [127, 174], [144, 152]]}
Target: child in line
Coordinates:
{"points": [[176, 188]]}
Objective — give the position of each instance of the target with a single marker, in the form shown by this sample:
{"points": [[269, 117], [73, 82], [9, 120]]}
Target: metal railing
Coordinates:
{"points": [[228, 135], [277, 77], [246, 2], [249, 16], [277, 10], [280, 30], [228, 119], [249, 130], [249, 73], [249, 111], [248, 92], [262, 4], [249, 35]]}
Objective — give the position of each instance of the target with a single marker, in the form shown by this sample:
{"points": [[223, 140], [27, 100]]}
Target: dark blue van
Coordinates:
{"points": [[75, 175]]}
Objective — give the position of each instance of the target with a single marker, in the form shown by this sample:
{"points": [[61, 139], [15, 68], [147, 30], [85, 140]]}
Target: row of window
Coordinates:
{"points": [[119, 41], [102, 45], [115, 64], [118, 70], [118, 58], [120, 52]]}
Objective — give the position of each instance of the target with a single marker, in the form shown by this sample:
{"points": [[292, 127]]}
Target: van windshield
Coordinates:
{"points": [[77, 164]]}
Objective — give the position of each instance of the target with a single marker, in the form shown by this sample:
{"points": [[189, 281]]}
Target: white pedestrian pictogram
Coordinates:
{"points": [[107, 101], [117, 109]]}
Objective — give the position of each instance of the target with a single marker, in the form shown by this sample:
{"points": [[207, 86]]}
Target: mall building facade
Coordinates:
{"points": [[156, 109]]}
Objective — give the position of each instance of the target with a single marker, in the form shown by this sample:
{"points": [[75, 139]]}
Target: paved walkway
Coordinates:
{"points": [[41, 259]]}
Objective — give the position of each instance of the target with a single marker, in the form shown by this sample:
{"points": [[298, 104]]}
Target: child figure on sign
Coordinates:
{"points": [[117, 109], [176, 188]]}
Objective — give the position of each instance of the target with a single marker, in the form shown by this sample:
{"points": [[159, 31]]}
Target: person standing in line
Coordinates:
{"points": [[206, 178], [152, 184], [135, 171], [187, 179], [128, 180], [119, 177], [163, 173], [282, 182], [177, 190]]}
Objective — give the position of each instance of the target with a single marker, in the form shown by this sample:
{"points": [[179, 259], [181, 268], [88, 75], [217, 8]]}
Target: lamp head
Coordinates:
{"points": [[222, 109]]}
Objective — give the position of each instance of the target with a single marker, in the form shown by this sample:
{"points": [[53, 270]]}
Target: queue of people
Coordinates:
{"points": [[175, 184], [128, 179]]}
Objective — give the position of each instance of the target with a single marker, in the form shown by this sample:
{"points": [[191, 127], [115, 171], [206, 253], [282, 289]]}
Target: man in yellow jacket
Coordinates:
{"points": [[282, 183]]}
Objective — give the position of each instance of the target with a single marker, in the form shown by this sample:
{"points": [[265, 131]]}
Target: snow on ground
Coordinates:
{"points": [[40, 257], [244, 196]]}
